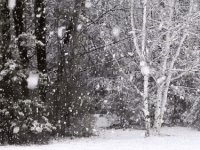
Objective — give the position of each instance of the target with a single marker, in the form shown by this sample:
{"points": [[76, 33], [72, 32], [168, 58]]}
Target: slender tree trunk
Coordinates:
{"points": [[157, 123], [40, 33], [146, 105], [143, 55], [162, 86], [145, 74], [5, 54], [168, 80]]}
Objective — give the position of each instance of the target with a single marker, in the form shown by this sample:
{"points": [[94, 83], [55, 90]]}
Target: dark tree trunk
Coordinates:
{"points": [[5, 32], [19, 22], [69, 90], [5, 54], [40, 33]]}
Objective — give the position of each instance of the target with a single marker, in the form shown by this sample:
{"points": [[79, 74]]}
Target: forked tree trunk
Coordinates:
{"points": [[163, 92], [143, 56], [161, 88]]}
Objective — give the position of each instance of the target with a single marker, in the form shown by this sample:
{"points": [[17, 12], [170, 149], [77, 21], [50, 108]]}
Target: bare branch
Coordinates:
{"points": [[135, 40], [144, 27]]}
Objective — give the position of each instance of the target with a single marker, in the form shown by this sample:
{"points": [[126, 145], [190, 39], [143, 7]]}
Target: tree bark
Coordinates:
{"points": [[66, 70], [5, 54], [146, 105], [19, 22], [169, 77], [157, 123], [5, 31], [162, 86], [143, 55], [40, 33]]}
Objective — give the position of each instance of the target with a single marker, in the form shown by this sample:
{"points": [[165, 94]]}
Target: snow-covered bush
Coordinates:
{"points": [[24, 121]]}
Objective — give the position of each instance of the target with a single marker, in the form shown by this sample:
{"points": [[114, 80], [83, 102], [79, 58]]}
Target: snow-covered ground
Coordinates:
{"points": [[175, 138]]}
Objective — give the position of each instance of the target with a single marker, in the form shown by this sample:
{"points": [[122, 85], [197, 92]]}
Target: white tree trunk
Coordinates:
{"points": [[146, 105], [163, 87], [144, 66], [164, 98], [157, 118], [169, 77]]}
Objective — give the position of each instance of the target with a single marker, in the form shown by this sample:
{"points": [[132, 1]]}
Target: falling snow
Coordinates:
{"points": [[60, 31], [161, 79], [130, 53], [16, 130], [116, 31], [145, 70], [105, 70], [79, 27], [88, 3], [11, 4], [38, 15], [32, 80]]}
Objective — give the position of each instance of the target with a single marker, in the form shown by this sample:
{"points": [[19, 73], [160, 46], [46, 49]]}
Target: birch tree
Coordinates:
{"points": [[170, 58], [143, 58], [158, 55]]}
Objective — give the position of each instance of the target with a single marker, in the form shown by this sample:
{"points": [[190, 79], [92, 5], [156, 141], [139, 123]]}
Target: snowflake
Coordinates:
{"points": [[11, 4], [60, 31], [16, 130], [88, 4], [79, 27], [116, 31], [32, 80]]}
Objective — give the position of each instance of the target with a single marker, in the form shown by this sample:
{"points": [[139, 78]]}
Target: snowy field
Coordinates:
{"points": [[175, 138]]}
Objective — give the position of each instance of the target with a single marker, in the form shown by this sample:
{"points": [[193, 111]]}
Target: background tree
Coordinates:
{"points": [[40, 33], [19, 22]]}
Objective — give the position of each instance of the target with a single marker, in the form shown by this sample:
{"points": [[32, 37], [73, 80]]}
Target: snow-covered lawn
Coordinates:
{"points": [[175, 138]]}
